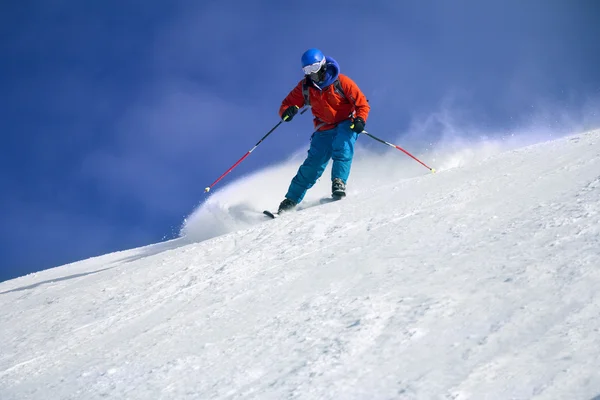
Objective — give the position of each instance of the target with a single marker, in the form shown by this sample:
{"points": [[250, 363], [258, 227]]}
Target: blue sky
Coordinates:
{"points": [[115, 115]]}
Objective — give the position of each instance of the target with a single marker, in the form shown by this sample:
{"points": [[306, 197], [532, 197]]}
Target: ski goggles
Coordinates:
{"points": [[313, 68]]}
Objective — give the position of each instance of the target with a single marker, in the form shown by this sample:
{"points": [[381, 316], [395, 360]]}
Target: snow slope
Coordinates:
{"points": [[478, 282]]}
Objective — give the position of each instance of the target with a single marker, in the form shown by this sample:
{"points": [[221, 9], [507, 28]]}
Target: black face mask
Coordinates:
{"points": [[319, 76]]}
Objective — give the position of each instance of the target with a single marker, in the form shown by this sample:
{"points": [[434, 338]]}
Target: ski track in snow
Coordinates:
{"points": [[479, 282]]}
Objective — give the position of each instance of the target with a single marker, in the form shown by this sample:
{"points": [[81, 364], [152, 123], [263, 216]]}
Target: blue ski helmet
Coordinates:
{"points": [[312, 56]]}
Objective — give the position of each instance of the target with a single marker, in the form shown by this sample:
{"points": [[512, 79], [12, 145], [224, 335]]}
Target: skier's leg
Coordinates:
{"points": [[343, 151], [315, 163]]}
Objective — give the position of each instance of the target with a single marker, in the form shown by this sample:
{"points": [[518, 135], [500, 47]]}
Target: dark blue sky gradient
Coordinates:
{"points": [[115, 115]]}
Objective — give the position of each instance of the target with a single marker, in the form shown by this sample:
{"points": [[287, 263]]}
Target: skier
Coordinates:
{"points": [[340, 112]]}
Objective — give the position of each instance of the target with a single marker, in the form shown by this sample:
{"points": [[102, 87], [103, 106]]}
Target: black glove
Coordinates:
{"points": [[358, 125], [289, 113]]}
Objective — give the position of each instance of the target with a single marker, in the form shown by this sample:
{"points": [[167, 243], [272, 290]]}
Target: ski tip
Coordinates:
{"points": [[270, 214]]}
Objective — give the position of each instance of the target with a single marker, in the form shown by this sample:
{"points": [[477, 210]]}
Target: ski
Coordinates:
{"points": [[326, 200]]}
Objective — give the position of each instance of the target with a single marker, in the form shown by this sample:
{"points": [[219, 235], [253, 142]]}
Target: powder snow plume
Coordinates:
{"points": [[238, 204]]}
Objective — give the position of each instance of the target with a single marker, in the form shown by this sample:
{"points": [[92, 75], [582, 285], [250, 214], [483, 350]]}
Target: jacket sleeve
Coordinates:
{"points": [[294, 98], [355, 95]]}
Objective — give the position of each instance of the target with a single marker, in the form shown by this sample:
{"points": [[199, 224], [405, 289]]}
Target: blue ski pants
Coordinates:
{"points": [[336, 144]]}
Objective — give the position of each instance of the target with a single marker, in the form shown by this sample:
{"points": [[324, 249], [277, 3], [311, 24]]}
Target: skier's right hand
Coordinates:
{"points": [[289, 113]]}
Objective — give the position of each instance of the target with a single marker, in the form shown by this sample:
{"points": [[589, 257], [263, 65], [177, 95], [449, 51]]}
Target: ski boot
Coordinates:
{"points": [[286, 205], [338, 188]]}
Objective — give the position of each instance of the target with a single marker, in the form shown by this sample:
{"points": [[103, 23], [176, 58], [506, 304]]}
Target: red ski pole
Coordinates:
{"points": [[401, 149], [207, 189]]}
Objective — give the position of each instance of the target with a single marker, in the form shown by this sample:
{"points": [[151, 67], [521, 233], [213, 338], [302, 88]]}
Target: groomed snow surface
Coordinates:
{"points": [[479, 282]]}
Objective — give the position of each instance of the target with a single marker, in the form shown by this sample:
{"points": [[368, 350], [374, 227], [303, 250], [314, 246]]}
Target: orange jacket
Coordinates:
{"points": [[328, 106]]}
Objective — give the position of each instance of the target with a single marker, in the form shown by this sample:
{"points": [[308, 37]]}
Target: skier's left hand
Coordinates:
{"points": [[358, 125]]}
